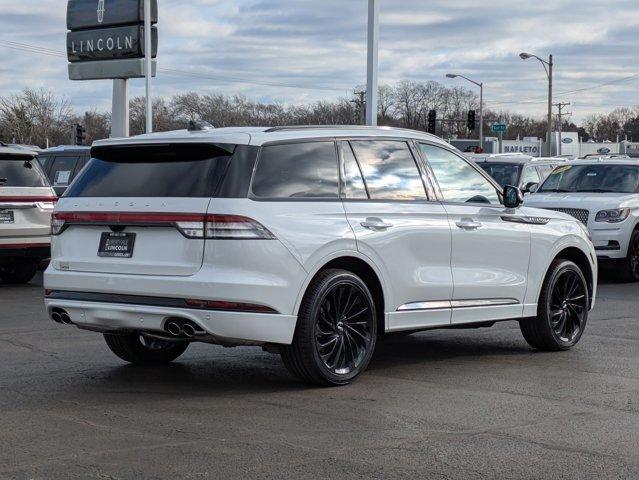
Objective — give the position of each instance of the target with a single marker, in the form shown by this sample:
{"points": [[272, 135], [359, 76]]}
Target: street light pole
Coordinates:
{"points": [[372, 63], [481, 104], [148, 56], [548, 68]]}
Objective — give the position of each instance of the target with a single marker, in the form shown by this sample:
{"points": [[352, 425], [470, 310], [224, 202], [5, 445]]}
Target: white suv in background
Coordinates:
{"points": [[309, 242], [603, 194], [26, 205]]}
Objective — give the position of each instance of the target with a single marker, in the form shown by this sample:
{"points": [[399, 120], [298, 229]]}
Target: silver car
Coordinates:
{"points": [[26, 204]]}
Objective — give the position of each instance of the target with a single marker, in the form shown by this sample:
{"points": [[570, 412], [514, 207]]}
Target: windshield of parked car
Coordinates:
{"points": [[18, 173], [600, 178], [503, 173]]}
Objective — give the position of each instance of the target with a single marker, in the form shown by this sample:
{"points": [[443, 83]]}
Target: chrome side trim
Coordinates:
{"points": [[526, 220], [448, 304], [489, 302], [436, 305]]}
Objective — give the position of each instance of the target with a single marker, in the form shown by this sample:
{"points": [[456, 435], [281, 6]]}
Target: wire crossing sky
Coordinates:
{"points": [[299, 51]]}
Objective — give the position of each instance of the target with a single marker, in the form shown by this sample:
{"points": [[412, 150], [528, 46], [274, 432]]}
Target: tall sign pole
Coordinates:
{"points": [[114, 40], [372, 63], [148, 55]]}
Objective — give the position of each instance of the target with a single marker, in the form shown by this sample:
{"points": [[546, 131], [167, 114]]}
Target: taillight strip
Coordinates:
{"points": [[127, 218], [28, 199]]}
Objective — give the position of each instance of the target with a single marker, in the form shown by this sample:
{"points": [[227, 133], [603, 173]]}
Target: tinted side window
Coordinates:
{"points": [[458, 181], [62, 170], [297, 170], [389, 170], [352, 182]]}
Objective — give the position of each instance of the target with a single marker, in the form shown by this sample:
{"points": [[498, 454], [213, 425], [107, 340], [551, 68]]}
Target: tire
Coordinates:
{"points": [[562, 312], [18, 271], [336, 331], [140, 350], [629, 267]]}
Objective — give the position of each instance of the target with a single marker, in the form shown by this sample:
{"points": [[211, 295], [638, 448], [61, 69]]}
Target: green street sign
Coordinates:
{"points": [[498, 127]]}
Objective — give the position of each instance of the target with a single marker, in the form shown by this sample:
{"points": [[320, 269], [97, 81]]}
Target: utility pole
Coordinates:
{"points": [[560, 106], [360, 105], [148, 58]]}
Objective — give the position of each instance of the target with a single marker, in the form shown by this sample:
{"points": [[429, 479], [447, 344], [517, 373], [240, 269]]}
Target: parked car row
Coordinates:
{"points": [[312, 242]]}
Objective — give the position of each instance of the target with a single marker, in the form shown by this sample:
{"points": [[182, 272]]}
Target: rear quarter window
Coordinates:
{"points": [[297, 170], [187, 170]]}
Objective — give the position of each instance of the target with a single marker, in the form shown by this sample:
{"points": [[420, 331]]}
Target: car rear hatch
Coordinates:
{"points": [[139, 210], [26, 200]]}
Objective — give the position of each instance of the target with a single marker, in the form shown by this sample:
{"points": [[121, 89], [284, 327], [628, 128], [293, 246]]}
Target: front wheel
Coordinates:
{"points": [[629, 269], [142, 350], [336, 330], [562, 311], [18, 271]]}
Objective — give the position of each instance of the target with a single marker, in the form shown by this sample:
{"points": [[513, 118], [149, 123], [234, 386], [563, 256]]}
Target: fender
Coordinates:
{"points": [[319, 264]]}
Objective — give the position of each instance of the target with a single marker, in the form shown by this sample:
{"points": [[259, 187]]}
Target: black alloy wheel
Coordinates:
{"points": [[336, 330], [629, 270], [562, 309], [568, 305], [343, 330]]}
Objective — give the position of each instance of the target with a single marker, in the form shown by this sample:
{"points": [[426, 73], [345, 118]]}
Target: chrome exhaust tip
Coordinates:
{"points": [[174, 329], [188, 330], [65, 319], [55, 316]]}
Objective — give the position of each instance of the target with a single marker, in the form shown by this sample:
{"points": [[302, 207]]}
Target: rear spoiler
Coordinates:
{"points": [[159, 152]]}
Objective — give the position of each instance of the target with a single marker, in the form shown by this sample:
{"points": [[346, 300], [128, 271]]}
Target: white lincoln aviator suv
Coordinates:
{"points": [[603, 194], [308, 241]]}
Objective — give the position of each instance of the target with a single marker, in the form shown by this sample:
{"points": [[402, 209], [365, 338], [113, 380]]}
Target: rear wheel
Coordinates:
{"points": [[562, 312], [142, 350], [336, 330], [18, 271], [629, 269]]}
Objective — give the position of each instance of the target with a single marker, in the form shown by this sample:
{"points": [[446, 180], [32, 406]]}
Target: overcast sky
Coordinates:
{"points": [[304, 50]]}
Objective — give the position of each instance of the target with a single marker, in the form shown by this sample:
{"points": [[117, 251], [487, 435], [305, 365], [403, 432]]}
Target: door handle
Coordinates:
{"points": [[376, 224], [468, 224]]}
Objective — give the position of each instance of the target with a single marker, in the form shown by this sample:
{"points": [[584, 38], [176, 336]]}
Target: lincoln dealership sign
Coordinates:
{"points": [[106, 38]]}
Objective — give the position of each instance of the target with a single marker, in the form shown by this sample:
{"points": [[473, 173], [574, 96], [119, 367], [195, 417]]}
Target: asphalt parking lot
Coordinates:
{"points": [[442, 404]]}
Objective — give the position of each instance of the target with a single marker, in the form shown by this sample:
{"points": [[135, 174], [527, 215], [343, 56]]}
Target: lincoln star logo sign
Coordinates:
{"points": [[100, 11]]}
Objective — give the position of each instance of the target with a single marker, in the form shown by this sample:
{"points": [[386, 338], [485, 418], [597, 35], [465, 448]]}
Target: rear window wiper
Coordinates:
{"points": [[3, 181], [556, 190], [597, 190]]}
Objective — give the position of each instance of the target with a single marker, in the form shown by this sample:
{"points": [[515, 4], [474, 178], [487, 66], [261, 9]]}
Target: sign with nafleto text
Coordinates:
{"points": [[106, 38]]}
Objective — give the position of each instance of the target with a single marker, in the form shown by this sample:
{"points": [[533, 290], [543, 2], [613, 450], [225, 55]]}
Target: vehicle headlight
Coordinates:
{"points": [[613, 216]]}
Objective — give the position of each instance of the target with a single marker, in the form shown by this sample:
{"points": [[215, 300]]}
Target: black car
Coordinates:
{"points": [[62, 164]]}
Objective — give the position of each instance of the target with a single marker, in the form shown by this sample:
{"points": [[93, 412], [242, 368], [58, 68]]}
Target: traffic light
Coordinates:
{"points": [[471, 124], [432, 121], [80, 134]]}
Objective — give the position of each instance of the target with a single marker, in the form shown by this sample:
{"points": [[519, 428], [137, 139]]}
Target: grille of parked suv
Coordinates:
{"points": [[578, 213]]}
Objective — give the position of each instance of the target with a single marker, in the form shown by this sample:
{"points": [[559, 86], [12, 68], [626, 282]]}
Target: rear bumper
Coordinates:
{"points": [[221, 326], [38, 249]]}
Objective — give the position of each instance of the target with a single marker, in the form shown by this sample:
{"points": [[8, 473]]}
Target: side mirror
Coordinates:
{"points": [[531, 187], [513, 197]]}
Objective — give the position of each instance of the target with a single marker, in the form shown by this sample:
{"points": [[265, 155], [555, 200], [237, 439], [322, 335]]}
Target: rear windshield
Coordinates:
{"points": [[18, 173], [153, 171], [503, 173], [593, 178]]}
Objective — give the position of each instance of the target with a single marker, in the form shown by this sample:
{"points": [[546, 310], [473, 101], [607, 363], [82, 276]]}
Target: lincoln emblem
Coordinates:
{"points": [[100, 11]]}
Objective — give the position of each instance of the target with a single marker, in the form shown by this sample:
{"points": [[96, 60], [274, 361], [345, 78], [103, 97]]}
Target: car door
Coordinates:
{"points": [[490, 247], [400, 229]]}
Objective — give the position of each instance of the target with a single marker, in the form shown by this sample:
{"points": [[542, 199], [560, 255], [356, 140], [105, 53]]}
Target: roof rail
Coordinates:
{"points": [[286, 128]]}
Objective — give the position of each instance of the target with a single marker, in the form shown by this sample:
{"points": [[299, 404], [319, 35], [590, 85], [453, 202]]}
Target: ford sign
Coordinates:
{"points": [[566, 140], [603, 150]]}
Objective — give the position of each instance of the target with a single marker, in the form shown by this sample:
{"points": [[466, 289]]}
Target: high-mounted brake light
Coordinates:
{"points": [[191, 225]]}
